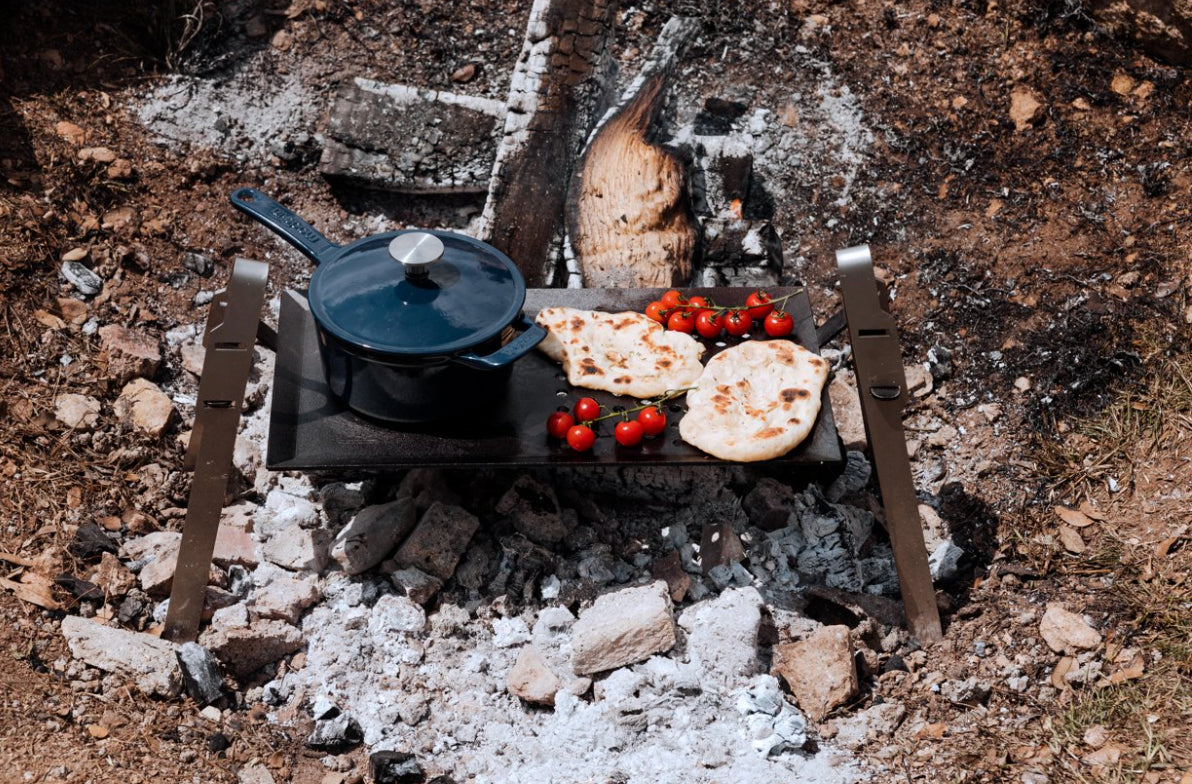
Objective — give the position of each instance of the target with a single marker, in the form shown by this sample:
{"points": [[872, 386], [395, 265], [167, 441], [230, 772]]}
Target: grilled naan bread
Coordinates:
{"points": [[755, 401], [623, 353]]}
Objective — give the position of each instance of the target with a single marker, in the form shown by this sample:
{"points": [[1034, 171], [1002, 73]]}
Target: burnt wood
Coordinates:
{"points": [[309, 430], [558, 90]]}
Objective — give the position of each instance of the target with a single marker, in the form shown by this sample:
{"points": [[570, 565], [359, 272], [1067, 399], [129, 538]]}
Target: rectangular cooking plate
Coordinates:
{"points": [[310, 430]]}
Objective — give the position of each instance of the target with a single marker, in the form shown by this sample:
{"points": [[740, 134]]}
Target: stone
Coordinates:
{"points": [[621, 628], [234, 544], [875, 723], [255, 773], [436, 544], [373, 533], [148, 661], [533, 508], [846, 410], [144, 407], [1067, 632], [79, 412], [464, 74], [722, 638], [90, 542], [719, 545], [82, 278], [508, 632], [245, 649], [285, 598], [1162, 28], [69, 132], [1025, 108], [819, 670], [919, 381], [200, 673], [670, 568], [394, 767], [113, 577], [341, 500], [416, 584], [532, 679], [410, 140], [298, 549], [335, 734], [944, 560], [775, 727], [852, 480], [128, 353], [396, 614]]}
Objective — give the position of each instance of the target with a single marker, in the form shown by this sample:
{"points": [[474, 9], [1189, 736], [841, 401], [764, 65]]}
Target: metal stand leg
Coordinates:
{"points": [[881, 382], [229, 339]]}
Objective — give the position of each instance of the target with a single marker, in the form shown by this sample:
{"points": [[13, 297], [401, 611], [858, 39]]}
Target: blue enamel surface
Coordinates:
{"points": [[362, 296]]}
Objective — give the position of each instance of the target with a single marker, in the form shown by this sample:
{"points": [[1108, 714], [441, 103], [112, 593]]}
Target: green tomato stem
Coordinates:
{"points": [[726, 308], [669, 395]]}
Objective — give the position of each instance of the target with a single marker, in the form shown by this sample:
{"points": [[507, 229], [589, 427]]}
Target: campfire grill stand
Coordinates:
{"points": [[234, 324]]}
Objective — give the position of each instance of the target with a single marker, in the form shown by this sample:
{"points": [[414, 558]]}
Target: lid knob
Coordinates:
{"points": [[417, 251]]}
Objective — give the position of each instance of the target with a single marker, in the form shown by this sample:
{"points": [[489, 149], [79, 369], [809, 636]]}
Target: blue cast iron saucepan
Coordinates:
{"points": [[414, 326]]}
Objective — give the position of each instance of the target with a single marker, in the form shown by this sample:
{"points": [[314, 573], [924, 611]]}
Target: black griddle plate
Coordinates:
{"points": [[310, 430]]}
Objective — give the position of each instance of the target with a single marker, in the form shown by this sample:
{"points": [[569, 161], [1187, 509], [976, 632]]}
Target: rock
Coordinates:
{"points": [[670, 568], [298, 549], [148, 661], [396, 614], [508, 632], [944, 561], [438, 541], [875, 723], [144, 407], [200, 673], [98, 154], [285, 598], [394, 767], [234, 543], [532, 679], [719, 546], [722, 638], [336, 734], [73, 311], [128, 353], [768, 504], [1067, 632], [90, 542], [852, 479], [77, 411], [373, 533], [82, 590], [82, 278], [846, 410], [533, 508], [819, 670], [255, 773], [464, 74], [622, 628], [121, 169], [199, 263], [1025, 108], [416, 584], [341, 500], [245, 649], [113, 577], [69, 132], [919, 381], [1162, 28]]}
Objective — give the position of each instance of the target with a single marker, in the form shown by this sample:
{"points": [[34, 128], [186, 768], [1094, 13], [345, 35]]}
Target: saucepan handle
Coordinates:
{"points": [[289, 226], [531, 336]]}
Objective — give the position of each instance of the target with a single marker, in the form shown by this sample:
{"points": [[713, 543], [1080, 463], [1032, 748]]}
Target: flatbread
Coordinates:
{"points": [[755, 401], [622, 353]]}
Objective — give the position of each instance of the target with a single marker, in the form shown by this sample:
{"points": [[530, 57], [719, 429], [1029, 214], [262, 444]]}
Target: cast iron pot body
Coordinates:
{"points": [[404, 337]]}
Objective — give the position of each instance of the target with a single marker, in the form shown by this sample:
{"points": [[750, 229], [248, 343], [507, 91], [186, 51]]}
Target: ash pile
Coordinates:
{"points": [[474, 625]]}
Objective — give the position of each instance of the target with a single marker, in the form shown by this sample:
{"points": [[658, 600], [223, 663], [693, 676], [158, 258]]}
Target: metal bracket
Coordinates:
{"points": [[881, 383], [231, 333]]}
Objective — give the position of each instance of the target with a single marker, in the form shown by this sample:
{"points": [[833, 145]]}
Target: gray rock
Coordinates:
{"points": [[298, 549], [722, 638], [623, 627], [394, 767], [373, 533], [82, 278], [199, 263], [285, 598], [944, 561], [774, 726], [339, 733], [416, 584], [245, 649], [148, 661], [852, 480], [200, 673], [436, 544]]}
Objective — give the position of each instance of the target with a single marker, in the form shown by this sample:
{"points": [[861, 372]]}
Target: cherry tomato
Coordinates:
{"points": [[558, 423], [779, 324], [656, 311], [629, 433], [709, 323], [681, 321], [696, 303], [652, 420], [580, 438], [672, 299], [586, 409], [759, 305], [737, 322]]}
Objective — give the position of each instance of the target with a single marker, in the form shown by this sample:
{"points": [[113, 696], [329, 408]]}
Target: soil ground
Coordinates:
{"points": [[1056, 250]]}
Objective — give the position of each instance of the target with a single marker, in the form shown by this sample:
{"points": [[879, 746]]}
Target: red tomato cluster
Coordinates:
{"points": [[696, 314], [650, 421]]}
